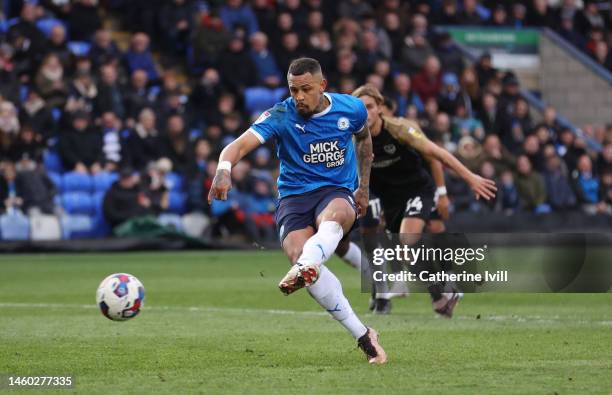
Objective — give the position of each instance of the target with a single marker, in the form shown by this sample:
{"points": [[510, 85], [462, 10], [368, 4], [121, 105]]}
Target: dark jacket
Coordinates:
{"points": [[85, 147], [121, 204]]}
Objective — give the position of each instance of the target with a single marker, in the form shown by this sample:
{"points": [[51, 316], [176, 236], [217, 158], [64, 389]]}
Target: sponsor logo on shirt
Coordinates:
{"points": [[326, 152]]}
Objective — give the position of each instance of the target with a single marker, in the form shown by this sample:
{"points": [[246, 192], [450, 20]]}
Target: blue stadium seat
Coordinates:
{"points": [[53, 162], [101, 228], [77, 182], [98, 198], [45, 25], [57, 180], [172, 220], [78, 203], [103, 180], [258, 99], [77, 226], [79, 48], [174, 181], [14, 226], [177, 202]]}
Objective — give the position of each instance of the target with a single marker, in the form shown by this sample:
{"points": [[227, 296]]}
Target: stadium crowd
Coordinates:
{"points": [[142, 127]]}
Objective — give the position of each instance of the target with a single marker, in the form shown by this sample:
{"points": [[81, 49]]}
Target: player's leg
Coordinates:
{"points": [[334, 218]]}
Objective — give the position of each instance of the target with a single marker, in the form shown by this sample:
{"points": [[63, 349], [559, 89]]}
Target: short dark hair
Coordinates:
{"points": [[304, 65]]}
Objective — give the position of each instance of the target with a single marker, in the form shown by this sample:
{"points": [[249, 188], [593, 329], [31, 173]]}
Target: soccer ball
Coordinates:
{"points": [[120, 296]]}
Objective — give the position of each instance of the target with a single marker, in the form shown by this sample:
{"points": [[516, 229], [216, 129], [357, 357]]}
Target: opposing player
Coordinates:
{"points": [[319, 168], [404, 186]]}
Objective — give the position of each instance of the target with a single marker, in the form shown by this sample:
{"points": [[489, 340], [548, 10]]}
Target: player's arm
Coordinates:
{"points": [[410, 133], [437, 172], [231, 155], [363, 148]]}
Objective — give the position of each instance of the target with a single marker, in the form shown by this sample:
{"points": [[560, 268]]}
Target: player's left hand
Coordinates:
{"points": [[442, 206], [482, 187], [362, 198]]}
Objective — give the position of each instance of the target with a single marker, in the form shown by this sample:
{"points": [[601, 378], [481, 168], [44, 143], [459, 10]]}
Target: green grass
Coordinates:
{"points": [[216, 323]]}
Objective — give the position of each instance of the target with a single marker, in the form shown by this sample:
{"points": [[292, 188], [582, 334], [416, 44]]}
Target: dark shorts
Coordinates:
{"points": [[301, 211], [373, 214], [413, 203]]}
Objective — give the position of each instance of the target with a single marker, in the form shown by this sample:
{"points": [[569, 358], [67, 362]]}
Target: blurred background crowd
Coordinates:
{"points": [[118, 109]]}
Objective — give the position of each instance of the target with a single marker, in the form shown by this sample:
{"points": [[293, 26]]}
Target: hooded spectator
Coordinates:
{"points": [[80, 147]]}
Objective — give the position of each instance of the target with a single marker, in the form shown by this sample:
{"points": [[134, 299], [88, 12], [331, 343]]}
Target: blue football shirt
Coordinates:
{"points": [[317, 151]]}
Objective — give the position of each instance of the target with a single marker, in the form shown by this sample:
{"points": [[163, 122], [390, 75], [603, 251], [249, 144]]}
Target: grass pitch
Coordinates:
{"points": [[214, 322]]}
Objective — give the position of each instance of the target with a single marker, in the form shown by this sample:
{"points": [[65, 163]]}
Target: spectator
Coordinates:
{"points": [[290, 49], [236, 66], [235, 13], [35, 113], [603, 55], [488, 114], [125, 199], [103, 49], [138, 95], [530, 186], [589, 18], [57, 45], [605, 203], [260, 208], [428, 82], [469, 15], [499, 18], [466, 125], [560, 193], [35, 188], [604, 159], [266, 67], [210, 38], [485, 70], [28, 145], [540, 14], [449, 54], [110, 96], [415, 53], [586, 184], [82, 94], [50, 82], [140, 145], [404, 96], [450, 93], [27, 40], [488, 171], [9, 126], [80, 147], [498, 155], [174, 144], [139, 57], [469, 152], [509, 195], [154, 185], [111, 140], [176, 21], [531, 149], [10, 201], [370, 51], [448, 14], [83, 19]]}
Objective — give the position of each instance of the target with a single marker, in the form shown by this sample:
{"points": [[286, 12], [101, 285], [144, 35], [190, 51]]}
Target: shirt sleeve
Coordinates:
{"points": [[265, 127], [359, 116]]}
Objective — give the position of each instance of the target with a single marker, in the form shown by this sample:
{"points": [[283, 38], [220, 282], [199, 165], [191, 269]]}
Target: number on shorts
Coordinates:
{"points": [[414, 205]]}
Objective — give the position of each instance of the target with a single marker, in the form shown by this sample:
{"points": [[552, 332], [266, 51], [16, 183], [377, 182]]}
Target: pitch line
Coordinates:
{"points": [[201, 309]]}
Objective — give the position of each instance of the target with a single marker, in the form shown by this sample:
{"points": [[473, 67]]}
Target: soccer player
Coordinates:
{"points": [[404, 186], [319, 168]]}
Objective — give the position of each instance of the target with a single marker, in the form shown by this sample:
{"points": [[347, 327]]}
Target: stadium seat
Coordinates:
{"points": [[258, 99], [178, 202], [77, 182], [79, 48], [57, 180], [103, 180], [98, 198], [101, 228], [78, 203], [194, 224], [174, 181], [45, 25], [171, 220], [45, 227], [77, 226], [53, 162], [14, 226]]}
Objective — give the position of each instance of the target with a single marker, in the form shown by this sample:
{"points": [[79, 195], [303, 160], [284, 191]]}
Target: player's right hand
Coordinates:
{"points": [[221, 185], [482, 187]]}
